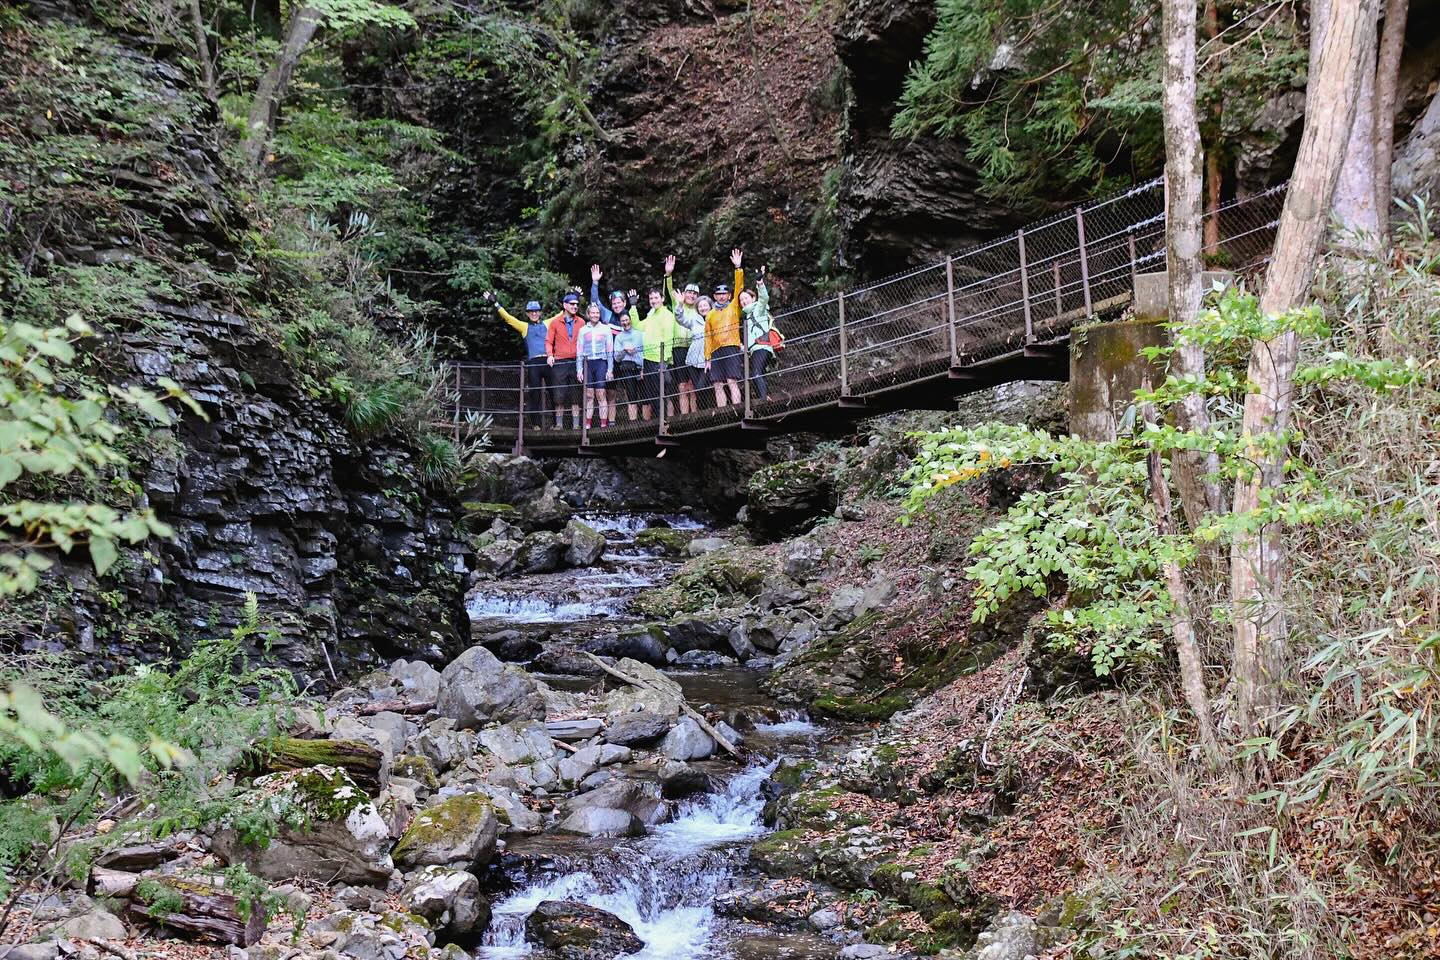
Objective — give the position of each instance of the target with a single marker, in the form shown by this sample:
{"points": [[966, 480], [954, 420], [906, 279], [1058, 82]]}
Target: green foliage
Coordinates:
{"points": [[1051, 98], [46, 434], [1094, 532]]}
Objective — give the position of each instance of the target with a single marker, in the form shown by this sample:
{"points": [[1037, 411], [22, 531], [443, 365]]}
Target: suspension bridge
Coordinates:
{"points": [[997, 312]]}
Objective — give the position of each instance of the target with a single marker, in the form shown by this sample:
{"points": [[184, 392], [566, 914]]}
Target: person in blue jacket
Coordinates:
{"points": [[536, 366]]}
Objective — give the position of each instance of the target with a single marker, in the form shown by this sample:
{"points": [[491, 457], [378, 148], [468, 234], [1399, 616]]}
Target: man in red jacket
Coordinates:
{"points": [[560, 355]]}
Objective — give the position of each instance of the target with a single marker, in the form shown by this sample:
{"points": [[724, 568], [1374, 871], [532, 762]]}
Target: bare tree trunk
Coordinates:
{"points": [[1257, 559], [1182, 622], [1355, 201], [202, 51], [1198, 494], [1387, 89], [271, 89], [1213, 181]]}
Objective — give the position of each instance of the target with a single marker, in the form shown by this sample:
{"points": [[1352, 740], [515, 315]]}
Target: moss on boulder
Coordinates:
{"points": [[785, 499], [784, 854], [723, 578], [666, 541], [458, 831]]}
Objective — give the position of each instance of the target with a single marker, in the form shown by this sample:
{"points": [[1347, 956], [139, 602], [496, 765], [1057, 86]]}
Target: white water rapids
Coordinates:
{"points": [[662, 885]]}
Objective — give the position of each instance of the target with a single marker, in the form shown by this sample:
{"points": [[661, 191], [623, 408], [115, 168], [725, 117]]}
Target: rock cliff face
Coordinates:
{"points": [[352, 558]]}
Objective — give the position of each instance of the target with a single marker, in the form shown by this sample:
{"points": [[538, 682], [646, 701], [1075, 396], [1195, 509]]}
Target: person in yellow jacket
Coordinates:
{"points": [[536, 363], [722, 339]]}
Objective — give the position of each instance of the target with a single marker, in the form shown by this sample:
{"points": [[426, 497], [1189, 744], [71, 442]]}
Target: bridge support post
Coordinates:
{"points": [[660, 407], [745, 364], [520, 415], [844, 360], [1084, 261], [1025, 288], [1059, 300], [458, 401], [1130, 242], [950, 310]]}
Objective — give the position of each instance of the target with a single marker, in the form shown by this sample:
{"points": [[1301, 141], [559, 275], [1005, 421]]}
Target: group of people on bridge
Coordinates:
{"points": [[685, 341]]}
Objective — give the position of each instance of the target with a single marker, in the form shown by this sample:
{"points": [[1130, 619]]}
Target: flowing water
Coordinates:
{"points": [[663, 884]]}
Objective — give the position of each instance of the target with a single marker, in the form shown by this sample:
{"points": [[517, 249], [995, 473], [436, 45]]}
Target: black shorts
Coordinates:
{"points": [[725, 364], [699, 377], [677, 357], [596, 373], [563, 389], [627, 379]]}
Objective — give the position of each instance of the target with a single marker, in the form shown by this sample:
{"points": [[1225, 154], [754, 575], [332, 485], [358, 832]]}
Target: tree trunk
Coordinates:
{"points": [[1257, 559], [1387, 89], [272, 87], [1182, 623], [1213, 181], [1183, 158], [202, 51], [279, 754], [202, 912], [1354, 204]]}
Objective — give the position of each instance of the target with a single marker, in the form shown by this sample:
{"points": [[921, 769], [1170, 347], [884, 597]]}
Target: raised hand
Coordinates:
{"points": [[487, 296], [736, 256], [669, 264], [595, 273], [634, 294]]}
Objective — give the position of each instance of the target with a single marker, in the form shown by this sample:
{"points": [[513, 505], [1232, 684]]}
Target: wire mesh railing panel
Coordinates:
{"points": [[985, 303]]}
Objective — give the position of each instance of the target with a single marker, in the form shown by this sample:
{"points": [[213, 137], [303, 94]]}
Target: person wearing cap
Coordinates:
{"points": [[560, 356], [687, 356], [755, 305], [595, 361], [658, 329], [722, 339], [621, 305], [629, 351], [536, 368]]}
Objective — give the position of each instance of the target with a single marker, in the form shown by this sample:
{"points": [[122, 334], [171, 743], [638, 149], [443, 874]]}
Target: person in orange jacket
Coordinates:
{"points": [[560, 340], [722, 338]]}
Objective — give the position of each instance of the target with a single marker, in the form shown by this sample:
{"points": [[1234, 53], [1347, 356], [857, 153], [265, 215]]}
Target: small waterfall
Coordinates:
{"points": [[663, 885]]}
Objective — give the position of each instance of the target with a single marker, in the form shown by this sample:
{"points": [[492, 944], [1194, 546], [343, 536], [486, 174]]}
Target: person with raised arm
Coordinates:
{"points": [[536, 368], [658, 329], [755, 305], [688, 345], [560, 357], [629, 352], [722, 339]]}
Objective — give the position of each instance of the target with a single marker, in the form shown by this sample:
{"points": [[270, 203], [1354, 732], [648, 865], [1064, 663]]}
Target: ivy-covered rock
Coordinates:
{"points": [[786, 499], [313, 823], [459, 831]]}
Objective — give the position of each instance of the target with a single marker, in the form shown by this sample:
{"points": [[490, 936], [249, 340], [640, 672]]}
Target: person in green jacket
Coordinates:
{"points": [[658, 328], [755, 305]]}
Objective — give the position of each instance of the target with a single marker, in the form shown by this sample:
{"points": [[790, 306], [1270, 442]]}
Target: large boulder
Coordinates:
{"points": [[540, 552], [546, 510], [458, 831], [344, 839], [786, 499], [449, 899], [520, 741], [602, 822], [638, 797], [418, 680], [575, 931], [686, 741], [503, 478], [477, 688], [584, 545], [638, 728], [660, 694]]}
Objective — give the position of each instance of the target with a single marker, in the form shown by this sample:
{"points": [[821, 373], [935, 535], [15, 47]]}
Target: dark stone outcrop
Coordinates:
{"points": [[574, 931]]}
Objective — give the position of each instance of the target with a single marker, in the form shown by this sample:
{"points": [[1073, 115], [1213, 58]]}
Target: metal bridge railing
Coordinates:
{"points": [[979, 306]]}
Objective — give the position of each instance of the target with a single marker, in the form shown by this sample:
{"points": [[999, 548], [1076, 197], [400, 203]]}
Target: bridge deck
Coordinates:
{"points": [[996, 313]]}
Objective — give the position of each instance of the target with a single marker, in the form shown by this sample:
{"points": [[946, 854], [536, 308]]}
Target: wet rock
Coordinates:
{"points": [[513, 646], [679, 780], [785, 853], [705, 660], [97, 924], [638, 728], [703, 545], [417, 679], [786, 946], [785, 499], [566, 661], [457, 831], [686, 741], [345, 839], [648, 646], [778, 905], [505, 478], [540, 552], [602, 822], [575, 931], [698, 633], [638, 797], [476, 687], [449, 899], [584, 545], [518, 742], [497, 558], [664, 540]]}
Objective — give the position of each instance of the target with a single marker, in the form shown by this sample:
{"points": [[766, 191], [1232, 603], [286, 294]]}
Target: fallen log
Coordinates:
{"points": [[281, 754], [199, 911], [112, 883], [395, 706], [138, 856], [690, 711]]}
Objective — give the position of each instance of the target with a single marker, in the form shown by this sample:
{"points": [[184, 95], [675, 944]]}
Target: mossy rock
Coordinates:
{"points": [[362, 761], [858, 709], [785, 499], [785, 853], [459, 831], [416, 768], [814, 810], [480, 514], [666, 541], [326, 794], [724, 578]]}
